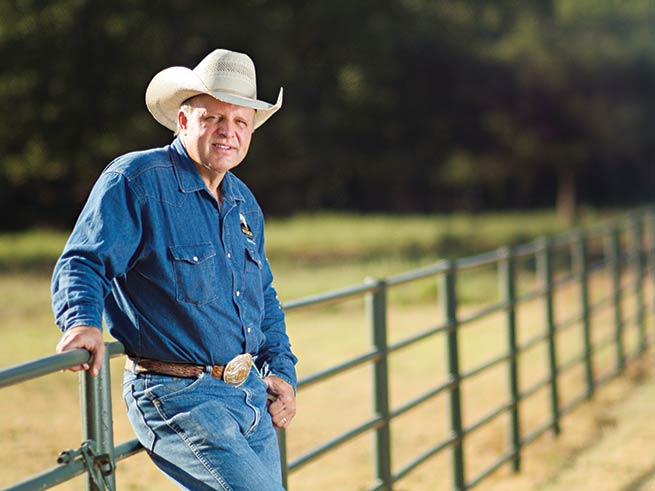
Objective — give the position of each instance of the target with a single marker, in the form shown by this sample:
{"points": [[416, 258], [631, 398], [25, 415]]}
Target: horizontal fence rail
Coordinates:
{"points": [[622, 251]]}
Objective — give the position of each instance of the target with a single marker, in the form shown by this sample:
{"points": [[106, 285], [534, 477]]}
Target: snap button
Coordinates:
{"points": [[195, 259]]}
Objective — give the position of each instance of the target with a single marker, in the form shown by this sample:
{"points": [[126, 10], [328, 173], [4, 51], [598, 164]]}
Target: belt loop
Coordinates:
{"points": [[133, 364]]}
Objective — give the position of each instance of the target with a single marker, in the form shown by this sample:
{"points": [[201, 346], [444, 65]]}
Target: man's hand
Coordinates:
{"points": [[89, 338], [283, 404]]}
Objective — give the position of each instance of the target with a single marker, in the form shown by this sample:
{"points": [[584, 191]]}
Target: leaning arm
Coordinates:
{"points": [[99, 249]]}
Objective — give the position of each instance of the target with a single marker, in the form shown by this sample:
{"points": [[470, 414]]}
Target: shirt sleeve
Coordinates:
{"points": [[99, 249], [275, 356]]}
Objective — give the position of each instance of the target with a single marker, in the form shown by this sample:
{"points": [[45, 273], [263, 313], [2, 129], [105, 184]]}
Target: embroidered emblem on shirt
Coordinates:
{"points": [[245, 228]]}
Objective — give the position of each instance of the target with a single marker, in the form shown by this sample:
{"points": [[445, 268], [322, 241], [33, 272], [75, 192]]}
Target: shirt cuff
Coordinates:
{"points": [[80, 316]]}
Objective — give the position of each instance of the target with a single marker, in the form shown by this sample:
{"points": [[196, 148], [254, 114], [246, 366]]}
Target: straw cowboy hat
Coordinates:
{"points": [[225, 75]]}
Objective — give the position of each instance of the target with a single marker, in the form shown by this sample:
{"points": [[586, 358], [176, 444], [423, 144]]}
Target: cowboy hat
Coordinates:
{"points": [[225, 75]]}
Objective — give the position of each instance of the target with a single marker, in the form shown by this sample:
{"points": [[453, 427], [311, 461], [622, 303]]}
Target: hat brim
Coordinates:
{"points": [[172, 86]]}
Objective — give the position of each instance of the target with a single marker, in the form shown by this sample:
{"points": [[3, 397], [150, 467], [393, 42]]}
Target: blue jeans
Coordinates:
{"points": [[204, 433]]}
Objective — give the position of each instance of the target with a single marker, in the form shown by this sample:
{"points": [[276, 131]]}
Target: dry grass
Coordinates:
{"points": [[605, 445], [40, 418]]}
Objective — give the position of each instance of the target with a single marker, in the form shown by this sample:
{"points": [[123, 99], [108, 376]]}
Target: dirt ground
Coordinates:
{"points": [[609, 445]]}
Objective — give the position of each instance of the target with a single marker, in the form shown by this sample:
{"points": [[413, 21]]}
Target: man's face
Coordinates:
{"points": [[216, 134]]}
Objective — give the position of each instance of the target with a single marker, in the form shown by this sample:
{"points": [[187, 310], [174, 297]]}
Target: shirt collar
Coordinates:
{"points": [[189, 178], [229, 189]]}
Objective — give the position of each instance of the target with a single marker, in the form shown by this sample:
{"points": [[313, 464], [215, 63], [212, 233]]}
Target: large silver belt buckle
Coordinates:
{"points": [[238, 369]]}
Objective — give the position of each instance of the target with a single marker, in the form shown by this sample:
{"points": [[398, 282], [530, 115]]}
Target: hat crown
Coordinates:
{"points": [[229, 72]]}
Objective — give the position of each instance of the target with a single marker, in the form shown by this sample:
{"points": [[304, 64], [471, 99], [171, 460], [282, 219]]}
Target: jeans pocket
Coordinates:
{"points": [[164, 387], [138, 419]]}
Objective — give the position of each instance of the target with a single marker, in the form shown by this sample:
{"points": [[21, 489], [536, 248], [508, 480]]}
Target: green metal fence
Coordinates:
{"points": [[612, 328]]}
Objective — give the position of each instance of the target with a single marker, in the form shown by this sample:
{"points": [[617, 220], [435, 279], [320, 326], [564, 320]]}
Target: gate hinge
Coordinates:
{"points": [[99, 466]]}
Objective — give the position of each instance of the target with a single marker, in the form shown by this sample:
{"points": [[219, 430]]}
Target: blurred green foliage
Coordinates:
{"points": [[390, 105]]}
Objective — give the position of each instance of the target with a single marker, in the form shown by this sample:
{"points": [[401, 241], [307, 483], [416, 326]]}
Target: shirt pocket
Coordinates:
{"points": [[195, 273], [253, 278], [253, 263]]}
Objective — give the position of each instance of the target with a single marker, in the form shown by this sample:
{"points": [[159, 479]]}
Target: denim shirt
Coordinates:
{"points": [[176, 275]]}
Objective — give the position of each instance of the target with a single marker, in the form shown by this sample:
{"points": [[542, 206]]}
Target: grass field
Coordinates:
{"points": [[309, 254]]}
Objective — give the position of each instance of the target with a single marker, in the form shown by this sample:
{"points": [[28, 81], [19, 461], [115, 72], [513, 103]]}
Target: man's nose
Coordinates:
{"points": [[225, 128]]}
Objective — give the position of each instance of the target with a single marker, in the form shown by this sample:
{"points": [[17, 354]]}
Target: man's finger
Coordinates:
{"points": [[84, 337], [98, 358], [282, 406]]}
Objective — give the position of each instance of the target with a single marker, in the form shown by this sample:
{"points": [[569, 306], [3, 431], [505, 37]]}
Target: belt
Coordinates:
{"points": [[234, 373]]}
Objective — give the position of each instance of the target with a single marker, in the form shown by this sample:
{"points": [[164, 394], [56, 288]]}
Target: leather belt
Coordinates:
{"points": [[234, 373]]}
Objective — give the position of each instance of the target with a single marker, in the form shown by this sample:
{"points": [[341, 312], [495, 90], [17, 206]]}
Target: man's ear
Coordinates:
{"points": [[182, 120]]}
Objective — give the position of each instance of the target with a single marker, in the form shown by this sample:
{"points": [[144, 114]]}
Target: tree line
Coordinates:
{"points": [[390, 105]]}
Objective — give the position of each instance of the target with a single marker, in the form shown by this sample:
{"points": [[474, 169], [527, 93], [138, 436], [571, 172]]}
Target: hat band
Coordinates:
{"points": [[233, 92]]}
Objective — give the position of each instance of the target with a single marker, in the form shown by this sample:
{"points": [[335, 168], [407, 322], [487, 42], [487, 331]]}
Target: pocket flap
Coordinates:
{"points": [[253, 256], [194, 254]]}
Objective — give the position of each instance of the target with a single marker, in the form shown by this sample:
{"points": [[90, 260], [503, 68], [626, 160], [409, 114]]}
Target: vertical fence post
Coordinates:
{"points": [[582, 268], [97, 422], [448, 298], [377, 309], [508, 290], [284, 460], [638, 261], [546, 273], [615, 260]]}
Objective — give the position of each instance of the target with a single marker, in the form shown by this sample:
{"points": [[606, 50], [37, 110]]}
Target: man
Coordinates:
{"points": [[169, 248]]}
